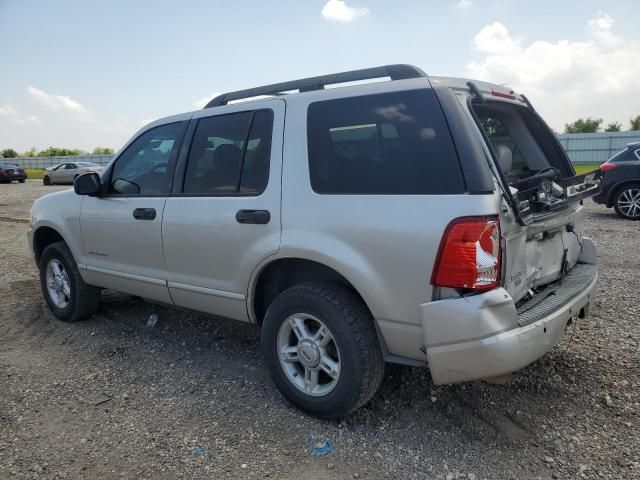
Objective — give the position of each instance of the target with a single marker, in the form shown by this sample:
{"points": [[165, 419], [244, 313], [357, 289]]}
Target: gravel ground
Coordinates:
{"points": [[191, 398]]}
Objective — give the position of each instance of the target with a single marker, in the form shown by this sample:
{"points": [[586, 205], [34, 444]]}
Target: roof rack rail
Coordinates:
{"points": [[395, 72]]}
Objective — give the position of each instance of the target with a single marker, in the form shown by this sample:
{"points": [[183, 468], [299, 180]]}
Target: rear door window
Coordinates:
{"points": [[230, 154], [392, 143]]}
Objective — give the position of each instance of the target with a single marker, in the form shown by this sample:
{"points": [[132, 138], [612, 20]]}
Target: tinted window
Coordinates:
{"points": [[394, 143], [627, 155], [70, 166], [146, 166], [230, 154]]}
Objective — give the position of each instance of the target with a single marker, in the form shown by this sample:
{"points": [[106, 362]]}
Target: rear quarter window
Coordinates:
{"points": [[393, 143]]}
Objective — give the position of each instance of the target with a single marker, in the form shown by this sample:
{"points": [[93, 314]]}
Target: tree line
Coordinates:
{"points": [[54, 152], [592, 125]]}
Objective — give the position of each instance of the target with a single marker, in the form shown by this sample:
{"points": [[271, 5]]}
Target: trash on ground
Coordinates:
{"points": [[152, 320], [100, 398], [322, 448], [199, 452]]}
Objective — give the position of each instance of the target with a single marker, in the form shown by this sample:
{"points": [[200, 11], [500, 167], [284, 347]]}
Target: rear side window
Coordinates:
{"points": [[230, 154], [627, 155], [393, 143]]}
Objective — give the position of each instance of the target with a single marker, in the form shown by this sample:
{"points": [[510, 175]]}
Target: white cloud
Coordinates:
{"points": [[495, 38], [12, 116], [201, 102], [463, 4], [57, 102], [7, 110], [597, 77], [339, 11]]}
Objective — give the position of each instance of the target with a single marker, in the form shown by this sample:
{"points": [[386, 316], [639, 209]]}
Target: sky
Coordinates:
{"points": [[83, 74]]}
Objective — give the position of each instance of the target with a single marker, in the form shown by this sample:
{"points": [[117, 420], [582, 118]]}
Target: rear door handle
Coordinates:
{"points": [[144, 213], [253, 216]]}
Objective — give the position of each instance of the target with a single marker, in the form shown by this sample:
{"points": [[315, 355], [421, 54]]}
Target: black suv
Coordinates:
{"points": [[621, 182]]}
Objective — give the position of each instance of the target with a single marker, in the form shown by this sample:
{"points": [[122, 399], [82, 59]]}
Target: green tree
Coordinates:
{"points": [[103, 151], [59, 152], [32, 152], [9, 153], [586, 125], [613, 127], [635, 123]]}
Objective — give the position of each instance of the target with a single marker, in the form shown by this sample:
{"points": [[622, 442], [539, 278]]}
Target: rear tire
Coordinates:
{"points": [[322, 350], [21, 180], [67, 295], [46, 180], [626, 201]]}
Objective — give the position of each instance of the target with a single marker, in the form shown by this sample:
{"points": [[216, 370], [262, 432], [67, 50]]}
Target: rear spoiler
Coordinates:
{"points": [[499, 92]]}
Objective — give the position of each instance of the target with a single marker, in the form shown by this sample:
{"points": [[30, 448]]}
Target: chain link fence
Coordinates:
{"points": [[44, 162], [596, 147]]}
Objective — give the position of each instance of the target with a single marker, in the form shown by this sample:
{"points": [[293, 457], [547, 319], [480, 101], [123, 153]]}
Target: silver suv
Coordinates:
{"points": [[419, 220]]}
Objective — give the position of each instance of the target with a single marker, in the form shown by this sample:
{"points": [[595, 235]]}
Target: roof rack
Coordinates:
{"points": [[395, 72]]}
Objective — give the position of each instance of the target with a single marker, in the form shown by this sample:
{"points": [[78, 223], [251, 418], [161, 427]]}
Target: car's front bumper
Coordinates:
{"points": [[495, 344]]}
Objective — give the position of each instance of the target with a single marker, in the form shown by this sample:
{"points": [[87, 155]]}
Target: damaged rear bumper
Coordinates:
{"points": [[495, 339]]}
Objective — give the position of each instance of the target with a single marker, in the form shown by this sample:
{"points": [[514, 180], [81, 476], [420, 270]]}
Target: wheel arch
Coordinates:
{"points": [[616, 188], [281, 273], [43, 237]]}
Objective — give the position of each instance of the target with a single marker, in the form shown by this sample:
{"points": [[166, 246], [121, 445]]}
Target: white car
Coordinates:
{"points": [[67, 172]]}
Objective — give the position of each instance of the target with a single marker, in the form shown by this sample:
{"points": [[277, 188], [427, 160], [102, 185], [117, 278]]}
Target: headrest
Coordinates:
{"points": [[505, 158]]}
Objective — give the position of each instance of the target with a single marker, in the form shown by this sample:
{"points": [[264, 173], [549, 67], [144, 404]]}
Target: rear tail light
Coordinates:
{"points": [[605, 167], [469, 255]]}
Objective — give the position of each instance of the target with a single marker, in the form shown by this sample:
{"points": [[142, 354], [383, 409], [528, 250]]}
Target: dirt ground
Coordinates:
{"points": [[190, 398]]}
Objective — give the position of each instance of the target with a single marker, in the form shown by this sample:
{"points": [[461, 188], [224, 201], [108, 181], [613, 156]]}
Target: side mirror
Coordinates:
{"points": [[88, 184]]}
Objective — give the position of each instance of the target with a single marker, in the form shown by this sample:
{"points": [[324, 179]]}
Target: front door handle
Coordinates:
{"points": [[144, 213], [253, 216]]}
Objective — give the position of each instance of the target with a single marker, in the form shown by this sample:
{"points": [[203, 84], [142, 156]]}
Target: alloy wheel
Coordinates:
{"points": [[629, 202], [58, 285], [308, 354]]}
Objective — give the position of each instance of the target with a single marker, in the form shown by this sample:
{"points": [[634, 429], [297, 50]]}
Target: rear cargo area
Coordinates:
{"points": [[542, 220]]}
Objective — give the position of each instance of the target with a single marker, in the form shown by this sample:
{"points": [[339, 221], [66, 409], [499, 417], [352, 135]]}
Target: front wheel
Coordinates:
{"points": [[627, 202], [68, 297], [46, 180], [321, 348]]}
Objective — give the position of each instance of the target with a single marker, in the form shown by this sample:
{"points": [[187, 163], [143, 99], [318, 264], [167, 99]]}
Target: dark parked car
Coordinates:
{"points": [[621, 182], [10, 172]]}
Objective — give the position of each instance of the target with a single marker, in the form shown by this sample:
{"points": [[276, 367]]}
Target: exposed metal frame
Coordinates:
{"points": [[394, 72]]}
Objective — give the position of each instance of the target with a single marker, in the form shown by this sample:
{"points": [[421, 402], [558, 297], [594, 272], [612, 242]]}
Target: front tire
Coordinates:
{"points": [[67, 295], [627, 202], [321, 348], [21, 180], [46, 180]]}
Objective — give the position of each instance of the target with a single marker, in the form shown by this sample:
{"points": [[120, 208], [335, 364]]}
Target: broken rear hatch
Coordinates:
{"points": [[542, 217]]}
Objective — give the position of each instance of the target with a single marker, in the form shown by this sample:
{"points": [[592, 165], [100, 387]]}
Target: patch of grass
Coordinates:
{"points": [[35, 173], [582, 168]]}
